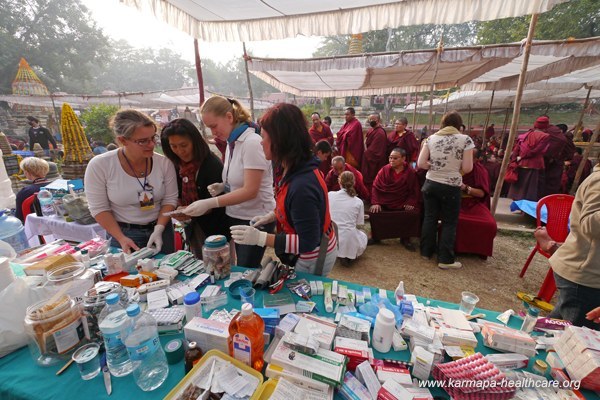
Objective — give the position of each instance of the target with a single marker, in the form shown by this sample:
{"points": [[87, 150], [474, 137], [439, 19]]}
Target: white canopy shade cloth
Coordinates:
{"points": [[482, 67], [249, 20]]}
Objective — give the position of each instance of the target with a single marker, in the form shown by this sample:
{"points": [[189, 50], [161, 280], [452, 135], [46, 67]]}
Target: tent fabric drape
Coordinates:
{"points": [[250, 20]]}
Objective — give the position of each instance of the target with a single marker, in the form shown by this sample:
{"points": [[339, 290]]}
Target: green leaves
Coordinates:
{"points": [[96, 119]]}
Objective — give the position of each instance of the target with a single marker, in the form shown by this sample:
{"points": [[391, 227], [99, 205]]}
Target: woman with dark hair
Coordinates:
{"points": [[197, 168], [446, 155], [307, 238]]}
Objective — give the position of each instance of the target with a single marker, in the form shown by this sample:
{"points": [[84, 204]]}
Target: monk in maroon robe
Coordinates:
{"points": [[338, 165], [560, 149], [320, 131], [572, 166], [476, 227], [404, 139], [350, 142], [375, 155], [323, 153], [395, 201]]}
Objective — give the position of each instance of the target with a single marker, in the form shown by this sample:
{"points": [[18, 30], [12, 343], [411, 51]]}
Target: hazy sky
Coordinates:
{"points": [[122, 22]]}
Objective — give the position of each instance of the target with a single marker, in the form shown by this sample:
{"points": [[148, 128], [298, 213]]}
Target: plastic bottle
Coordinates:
{"points": [[246, 340], [85, 258], [150, 368], [383, 333], [192, 305], [112, 321], [530, 319], [12, 231], [45, 198], [399, 293], [192, 355]]}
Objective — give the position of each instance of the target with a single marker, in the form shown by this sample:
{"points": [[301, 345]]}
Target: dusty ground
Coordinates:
{"points": [[495, 280]]}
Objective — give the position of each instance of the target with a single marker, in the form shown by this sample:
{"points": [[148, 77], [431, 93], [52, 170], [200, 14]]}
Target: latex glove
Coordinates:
{"points": [[216, 189], [127, 245], [156, 238], [201, 207], [246, 234], [263, 220]]}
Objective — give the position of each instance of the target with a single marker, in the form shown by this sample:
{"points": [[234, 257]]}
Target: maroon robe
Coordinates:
{"points": [[325, 134], [572, 171], [560, 149], [222, 146], [375, 155], [476, 227], [530, 147], [407, 141], [392, 192], [331, 180], [350, 143], [325, 166]]}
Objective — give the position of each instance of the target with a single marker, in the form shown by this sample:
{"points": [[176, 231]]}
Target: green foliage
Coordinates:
{"points": [[96, 120], [308, 110], [57, 37], [575, 18]]}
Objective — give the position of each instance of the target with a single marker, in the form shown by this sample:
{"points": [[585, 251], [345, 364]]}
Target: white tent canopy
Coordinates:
{"points": [[482, 67], [249, 20]]}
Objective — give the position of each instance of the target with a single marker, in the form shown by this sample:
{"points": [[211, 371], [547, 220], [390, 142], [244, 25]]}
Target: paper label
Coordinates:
{"points": [[69, 336], [242, 348], [144, 349]]}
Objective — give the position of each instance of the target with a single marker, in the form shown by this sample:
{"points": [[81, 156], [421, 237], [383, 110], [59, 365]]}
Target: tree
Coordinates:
{"points": [[96, 120], [575, 18], [57, 37]]}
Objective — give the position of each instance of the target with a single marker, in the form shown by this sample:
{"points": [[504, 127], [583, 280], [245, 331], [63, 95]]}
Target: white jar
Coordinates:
{"points": [[384, 331]]}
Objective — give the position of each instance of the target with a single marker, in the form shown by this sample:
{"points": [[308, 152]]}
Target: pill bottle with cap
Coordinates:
{"points": [[540, 367], [193, 307], [192, 355], [530, 319], [383, 332]]}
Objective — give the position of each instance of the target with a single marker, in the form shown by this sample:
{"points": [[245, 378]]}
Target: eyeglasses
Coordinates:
{"points": [[145, 142]]}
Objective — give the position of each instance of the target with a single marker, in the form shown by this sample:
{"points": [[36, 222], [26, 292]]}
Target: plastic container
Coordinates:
{"points": [[216, 256], [46, 203], [383, 333], [246, 340], [54, 328], [12, 231], [468, 301], [85, 258], [193, 307], [79, 279], [113, 320], [150, 368], [94, 301], [530, 319], [399, 293]]}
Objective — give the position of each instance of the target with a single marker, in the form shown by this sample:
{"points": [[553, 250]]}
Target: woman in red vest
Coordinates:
{"points": [[306, 235]]}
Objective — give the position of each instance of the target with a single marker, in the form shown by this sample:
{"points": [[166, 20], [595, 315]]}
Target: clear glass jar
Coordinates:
{"points": [[55, 329], [94, 301], [74, 278], [216, 256]]}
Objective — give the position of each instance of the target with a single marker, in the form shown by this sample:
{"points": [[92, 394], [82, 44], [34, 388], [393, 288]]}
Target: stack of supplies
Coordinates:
{"points": [[579, 351], [503, 338]]}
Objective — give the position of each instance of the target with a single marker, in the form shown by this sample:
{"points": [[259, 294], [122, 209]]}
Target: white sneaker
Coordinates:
{"points": [[454, 265]]}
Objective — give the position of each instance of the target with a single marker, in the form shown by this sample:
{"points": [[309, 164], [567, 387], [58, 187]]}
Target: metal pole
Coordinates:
{"points": [[469, 122], [577, 129], [199, 71], [487, 118], [415, 114], [514, 126], [440, 48], [586, 154], [246, 58]]}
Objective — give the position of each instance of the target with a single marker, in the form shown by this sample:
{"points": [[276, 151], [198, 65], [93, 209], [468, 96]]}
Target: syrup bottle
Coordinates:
{"points": [[192, 355], [246, 340]]}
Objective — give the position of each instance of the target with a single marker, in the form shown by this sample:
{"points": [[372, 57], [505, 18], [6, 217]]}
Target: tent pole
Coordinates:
{"points": [[54, 112], [199, 71], [487, 118], [447, 97], [437, 64], [504, 127], [586, 154], [246, 59], [415, 114], [469, 122], [577, 130], [514, 125]]}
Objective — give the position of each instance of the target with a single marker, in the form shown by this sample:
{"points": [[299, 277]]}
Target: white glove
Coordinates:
{"points": [[263, 220], [216, 189], [201, 207], [156, 238], [246, 234]]}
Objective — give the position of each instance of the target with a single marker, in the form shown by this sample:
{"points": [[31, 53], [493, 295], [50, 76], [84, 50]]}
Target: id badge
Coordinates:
{"points": [[146, 198]]}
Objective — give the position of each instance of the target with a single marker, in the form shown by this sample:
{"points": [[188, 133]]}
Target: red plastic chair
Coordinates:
{"points": [[558, 208], [31, 204]]}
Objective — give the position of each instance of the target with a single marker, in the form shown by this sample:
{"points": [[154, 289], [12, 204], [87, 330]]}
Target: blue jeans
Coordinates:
{"points": [[574, 301], [443, 202], [141, 236], [250, 256]]}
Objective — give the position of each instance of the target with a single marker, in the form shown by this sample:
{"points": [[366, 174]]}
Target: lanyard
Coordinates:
{"points": [[233, 137], [133, 170]]}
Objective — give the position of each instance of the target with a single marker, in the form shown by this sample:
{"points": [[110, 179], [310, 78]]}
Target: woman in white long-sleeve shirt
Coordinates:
{"points": [[129, 189], [348, 211]]}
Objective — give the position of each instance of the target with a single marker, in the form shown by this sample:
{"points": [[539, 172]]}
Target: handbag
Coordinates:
{"points": [[512, 174]]}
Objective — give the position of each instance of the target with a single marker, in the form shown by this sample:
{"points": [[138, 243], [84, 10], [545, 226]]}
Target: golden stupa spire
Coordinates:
{"points": [[27, 82]]}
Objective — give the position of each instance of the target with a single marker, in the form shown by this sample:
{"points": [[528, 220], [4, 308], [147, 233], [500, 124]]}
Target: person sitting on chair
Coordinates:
{"points": [[35, 170], [339, 165], [347, 211], [396, 189]]}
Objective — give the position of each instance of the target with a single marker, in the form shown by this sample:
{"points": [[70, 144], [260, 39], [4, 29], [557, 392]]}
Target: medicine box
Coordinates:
{"points": [[294, 376], [322, 330], [269, 315], [287, 324], [352, 389], [208, 334]]}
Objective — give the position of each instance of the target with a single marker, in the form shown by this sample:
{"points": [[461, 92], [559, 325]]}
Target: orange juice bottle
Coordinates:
{"points": [[246, 340]]}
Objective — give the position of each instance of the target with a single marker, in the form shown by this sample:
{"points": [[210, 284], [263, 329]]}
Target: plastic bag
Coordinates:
{"points": [[76, 206]]}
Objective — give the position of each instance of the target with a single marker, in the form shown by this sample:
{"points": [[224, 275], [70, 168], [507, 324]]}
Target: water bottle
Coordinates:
{"points": [[112, 321], [45, 198], [149, 362]]}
